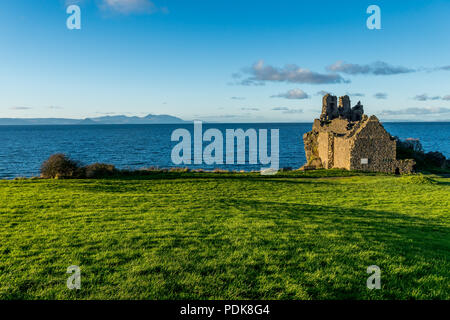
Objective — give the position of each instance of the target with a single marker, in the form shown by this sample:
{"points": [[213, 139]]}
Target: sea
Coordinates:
{"points": [[24, 148]]}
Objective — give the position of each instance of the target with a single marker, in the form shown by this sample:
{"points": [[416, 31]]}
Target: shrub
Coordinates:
{"points": [[412, 149], [176, 169], [409, 149], [58, 166], [413, 144], [436, 159], [416, 179], [150, 169], [99, 170]]}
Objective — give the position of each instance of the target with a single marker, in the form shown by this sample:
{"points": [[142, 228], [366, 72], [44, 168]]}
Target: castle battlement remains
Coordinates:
{"points": [[344, 137]]}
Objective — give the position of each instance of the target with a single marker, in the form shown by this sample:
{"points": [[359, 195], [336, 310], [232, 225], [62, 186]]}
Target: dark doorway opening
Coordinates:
{"points": [[397, 171]]}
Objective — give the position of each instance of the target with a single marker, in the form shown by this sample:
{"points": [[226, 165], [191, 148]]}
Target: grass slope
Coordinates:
{"points": [[226, 236]]}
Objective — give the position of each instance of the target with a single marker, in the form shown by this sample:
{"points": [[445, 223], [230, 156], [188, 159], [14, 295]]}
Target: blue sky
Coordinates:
{"points": [[228, 61]]}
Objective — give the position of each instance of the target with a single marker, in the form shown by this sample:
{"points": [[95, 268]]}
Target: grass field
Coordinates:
{"points": [[226, 236]]}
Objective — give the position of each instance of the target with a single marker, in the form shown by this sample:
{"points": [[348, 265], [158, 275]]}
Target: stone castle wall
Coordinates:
{"points": [[324, 149], [373, 143], [342, 148], [345, 138]]}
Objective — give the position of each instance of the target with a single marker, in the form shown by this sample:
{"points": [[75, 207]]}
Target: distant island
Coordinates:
{"points": [[119, 119]]}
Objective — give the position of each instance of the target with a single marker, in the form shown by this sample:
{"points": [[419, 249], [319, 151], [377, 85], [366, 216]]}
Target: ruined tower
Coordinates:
{"points": [[346, 138], [357, 112], [329, 108], [345, 111]]}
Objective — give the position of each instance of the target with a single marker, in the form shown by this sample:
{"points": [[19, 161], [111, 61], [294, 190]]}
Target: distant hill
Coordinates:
{"points": [[120, 119]]}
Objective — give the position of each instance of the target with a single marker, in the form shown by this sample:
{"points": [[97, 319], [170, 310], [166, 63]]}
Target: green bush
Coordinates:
{"points": [[59, 166], [412, 149], [99, 170], [416, 179], [436, 159], [176, 169]]}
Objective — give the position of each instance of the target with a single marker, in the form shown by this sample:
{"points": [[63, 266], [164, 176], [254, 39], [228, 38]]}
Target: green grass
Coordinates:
{"points": [[226, 236]]}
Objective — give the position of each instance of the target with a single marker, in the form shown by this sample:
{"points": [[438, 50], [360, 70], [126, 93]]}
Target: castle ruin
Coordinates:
{"points": [[344, 137]]}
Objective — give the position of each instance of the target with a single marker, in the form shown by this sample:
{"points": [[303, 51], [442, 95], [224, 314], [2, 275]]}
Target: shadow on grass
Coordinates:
{"points": [[321, 251], [165, 175], [333, 216], [259, 250], [300, 240], [132, 184], [121, 183], [444, 183]]}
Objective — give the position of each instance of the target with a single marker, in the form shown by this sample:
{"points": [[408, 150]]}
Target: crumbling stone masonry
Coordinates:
{"points": [[345, 137]]}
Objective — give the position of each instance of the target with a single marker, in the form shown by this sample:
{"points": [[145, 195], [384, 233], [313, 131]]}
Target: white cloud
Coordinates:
{"points": [[292, 94], [287, 110], [375, 68], [425, 97], [416, 111], [20, 108], [260, 73], [129, 6], [380, 95], [76, 2], [356, 94]]}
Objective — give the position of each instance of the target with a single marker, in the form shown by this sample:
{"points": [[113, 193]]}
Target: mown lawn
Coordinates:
{"points": [[226, 236]]}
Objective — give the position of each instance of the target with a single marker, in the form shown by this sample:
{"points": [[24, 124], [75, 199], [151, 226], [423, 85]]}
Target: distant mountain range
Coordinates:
{"points": [[120, 119]]}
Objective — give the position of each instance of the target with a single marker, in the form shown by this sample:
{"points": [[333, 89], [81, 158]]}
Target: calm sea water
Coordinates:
{"points": [[24, 148]]}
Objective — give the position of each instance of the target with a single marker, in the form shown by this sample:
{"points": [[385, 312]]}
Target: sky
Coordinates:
{"points": [[227, 61]]}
